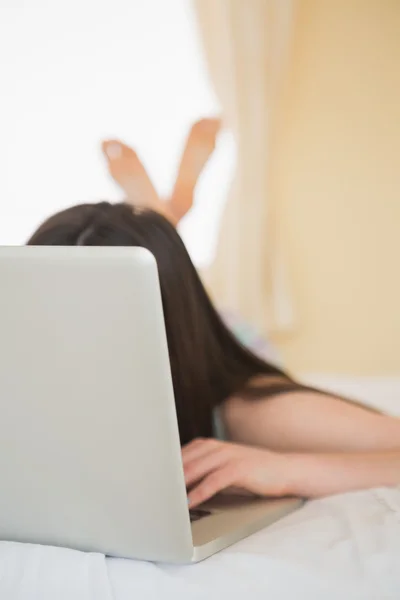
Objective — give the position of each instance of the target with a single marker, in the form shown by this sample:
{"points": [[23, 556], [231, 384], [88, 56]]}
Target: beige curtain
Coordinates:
{"points": [[246, 45]]}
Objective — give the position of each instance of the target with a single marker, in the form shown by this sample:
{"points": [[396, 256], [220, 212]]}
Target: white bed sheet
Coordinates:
{"points": [[340, 548], [346, 547]]}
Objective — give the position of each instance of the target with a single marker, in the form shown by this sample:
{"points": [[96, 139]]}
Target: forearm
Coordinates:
{"points": [[316, 475], [310, 422]]}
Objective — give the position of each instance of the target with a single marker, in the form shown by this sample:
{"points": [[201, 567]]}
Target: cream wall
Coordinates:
{"points": [[335, 183]]}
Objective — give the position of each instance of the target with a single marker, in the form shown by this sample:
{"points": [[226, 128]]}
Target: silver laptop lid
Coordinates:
{"points": [[89, 445]]}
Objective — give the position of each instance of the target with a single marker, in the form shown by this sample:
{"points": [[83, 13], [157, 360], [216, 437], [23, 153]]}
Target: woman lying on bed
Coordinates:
{"points": [[276, 437]]}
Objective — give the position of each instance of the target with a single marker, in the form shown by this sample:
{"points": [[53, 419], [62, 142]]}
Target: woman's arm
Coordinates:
{"points": [[309, 422], [316, 475], [212, 466]]}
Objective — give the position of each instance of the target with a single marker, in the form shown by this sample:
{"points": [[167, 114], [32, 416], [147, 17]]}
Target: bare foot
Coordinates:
{"points": [[199, 146], [127, 170]]}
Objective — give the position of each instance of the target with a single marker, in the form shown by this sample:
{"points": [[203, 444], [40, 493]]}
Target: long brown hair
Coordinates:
{"points": [[208, 364]]}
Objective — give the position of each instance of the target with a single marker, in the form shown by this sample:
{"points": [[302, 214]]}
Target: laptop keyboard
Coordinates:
{"points": [[198, 513]]}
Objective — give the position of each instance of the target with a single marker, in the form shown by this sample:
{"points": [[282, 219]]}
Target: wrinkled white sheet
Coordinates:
{"points": [[341, 548]]}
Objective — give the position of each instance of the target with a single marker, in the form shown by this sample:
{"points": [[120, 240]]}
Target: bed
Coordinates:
{"points": [[340, 548]]}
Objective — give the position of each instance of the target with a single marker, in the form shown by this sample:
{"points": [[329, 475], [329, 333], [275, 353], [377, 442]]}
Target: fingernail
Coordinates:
{"points": [[114, 151]]}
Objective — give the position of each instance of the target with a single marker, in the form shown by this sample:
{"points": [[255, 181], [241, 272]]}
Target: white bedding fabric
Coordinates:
{"points": [[340, 548]]}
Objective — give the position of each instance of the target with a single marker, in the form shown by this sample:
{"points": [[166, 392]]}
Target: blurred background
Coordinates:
{"points": [[296, 219], [75, 73]]}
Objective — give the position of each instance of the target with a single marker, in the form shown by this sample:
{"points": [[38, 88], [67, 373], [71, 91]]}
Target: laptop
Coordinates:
{"points": [[90, 456]]}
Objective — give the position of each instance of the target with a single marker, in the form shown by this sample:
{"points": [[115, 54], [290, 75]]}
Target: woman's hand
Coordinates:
{"points": [[212, 466]]}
